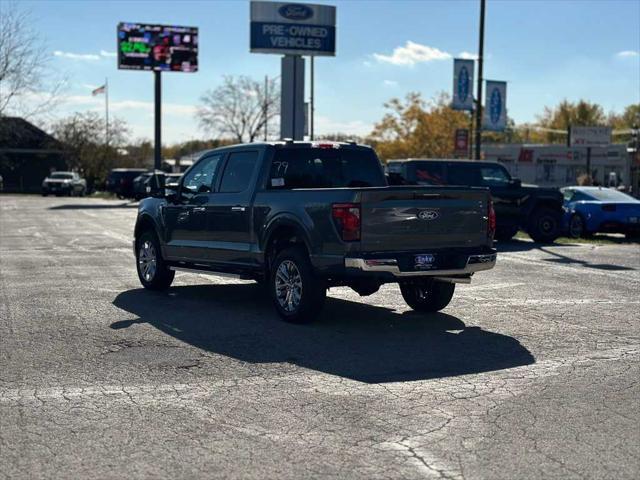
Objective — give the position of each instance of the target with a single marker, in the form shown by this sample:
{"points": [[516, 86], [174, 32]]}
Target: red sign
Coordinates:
{"points": [[461, 141]]}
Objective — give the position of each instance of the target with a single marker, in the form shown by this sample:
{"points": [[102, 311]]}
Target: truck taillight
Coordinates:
{"points": [[347, 219], [491, 220]]}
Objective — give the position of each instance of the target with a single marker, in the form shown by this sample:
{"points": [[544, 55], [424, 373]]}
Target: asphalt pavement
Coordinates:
{"points": [[531, 372]]}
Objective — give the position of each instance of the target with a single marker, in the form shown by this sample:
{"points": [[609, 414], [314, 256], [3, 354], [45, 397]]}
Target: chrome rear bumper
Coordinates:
{"points": [[475, 263]]}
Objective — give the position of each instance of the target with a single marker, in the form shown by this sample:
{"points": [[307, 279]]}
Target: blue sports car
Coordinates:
{"points": [[596, 209]]}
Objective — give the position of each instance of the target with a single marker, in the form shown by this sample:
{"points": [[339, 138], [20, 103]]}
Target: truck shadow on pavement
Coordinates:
{"points": [[353, 340], [93, 206]]}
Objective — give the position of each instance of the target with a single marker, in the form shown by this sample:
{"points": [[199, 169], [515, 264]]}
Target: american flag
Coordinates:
{"points": [[99, 90]]}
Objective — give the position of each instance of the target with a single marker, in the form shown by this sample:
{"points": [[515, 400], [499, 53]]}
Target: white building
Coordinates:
{"points": [[559, 166]]}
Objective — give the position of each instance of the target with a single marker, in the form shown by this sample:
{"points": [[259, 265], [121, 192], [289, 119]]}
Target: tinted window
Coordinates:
{"points": [[494, 175], [429, 173], [325, 168], [464, 174], [238, 172], [578, 196], [66, 176], [200, 178], [607, 194]]}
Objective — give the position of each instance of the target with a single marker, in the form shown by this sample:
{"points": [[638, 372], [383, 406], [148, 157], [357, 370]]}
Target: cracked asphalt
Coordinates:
{"points": [[531, 372]]}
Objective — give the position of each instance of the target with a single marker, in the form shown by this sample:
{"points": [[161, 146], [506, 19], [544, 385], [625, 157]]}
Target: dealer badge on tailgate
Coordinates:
{"points": [[424, 262]]}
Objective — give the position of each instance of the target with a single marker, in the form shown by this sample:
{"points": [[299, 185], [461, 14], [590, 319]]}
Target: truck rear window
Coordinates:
{"points": [[325, 168]]}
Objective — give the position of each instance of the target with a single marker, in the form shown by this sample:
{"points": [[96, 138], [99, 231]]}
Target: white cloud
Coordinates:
{"points": [[390, 83], [411, 54], [628, 53], [468, 55], [76, 56], [104, 53]]}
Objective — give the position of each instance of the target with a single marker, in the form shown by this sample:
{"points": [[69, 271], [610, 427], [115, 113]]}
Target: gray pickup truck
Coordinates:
{"points": [[303, 217]]}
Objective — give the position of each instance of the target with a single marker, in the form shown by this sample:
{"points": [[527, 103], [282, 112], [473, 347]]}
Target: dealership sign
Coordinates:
{"points": [[293, 28], [589, 136], [495, 108], [462, 84]]}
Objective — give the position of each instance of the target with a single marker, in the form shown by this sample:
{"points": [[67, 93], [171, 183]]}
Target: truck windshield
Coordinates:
{"points": [[65, 176], [325, 168]]}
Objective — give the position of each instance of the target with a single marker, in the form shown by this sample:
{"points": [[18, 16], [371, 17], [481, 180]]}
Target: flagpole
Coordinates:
{"points": [[106, 108]]}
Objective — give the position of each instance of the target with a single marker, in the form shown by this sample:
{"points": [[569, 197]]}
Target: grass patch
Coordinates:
{"points": [[598, 239]]}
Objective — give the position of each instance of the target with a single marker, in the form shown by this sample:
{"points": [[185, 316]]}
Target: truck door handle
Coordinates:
{"points": [[199, 209], [238, 208]]}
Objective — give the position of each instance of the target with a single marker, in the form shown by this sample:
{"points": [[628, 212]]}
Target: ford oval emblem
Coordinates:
{"points": [[428, 215], [295, 11], [463, 84], [495, 105]]}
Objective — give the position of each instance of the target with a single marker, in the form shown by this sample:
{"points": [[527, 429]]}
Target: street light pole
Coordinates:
{"points": [[479, 94]]}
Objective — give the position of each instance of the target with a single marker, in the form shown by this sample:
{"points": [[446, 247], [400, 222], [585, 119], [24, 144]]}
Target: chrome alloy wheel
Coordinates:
{"points": [[288, 284], [147, 260]]}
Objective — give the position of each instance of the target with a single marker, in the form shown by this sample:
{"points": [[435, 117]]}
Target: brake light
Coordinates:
{"points": [[609, 207], [491, 220], [347, 219], [325, 145]]}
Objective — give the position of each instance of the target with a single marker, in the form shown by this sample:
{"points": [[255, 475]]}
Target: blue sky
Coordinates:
{"points": [[545, 50]]}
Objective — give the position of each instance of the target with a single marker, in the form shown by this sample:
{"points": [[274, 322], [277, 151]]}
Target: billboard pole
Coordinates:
{"points": [[157, 153], [106, 111], [479, 95], [312, 103]]}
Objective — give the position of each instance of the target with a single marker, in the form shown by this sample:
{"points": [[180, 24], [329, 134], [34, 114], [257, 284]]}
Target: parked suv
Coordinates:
{"points": [[64, 183], [536, 210], [303, 217], [120, 181]]}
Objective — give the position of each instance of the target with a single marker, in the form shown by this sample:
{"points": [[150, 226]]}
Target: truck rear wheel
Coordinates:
{"points": [[544, 225], [429, 296], [152, 270], [297, 293]]}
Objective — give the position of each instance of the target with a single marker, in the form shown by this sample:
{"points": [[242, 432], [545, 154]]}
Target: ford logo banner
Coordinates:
{"points": [[463, 85], [495, 113], [495, 106], [295, 11]]}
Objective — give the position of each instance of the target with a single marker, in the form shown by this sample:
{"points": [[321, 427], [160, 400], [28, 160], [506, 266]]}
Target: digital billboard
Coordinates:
{"points": [[161, 48]]}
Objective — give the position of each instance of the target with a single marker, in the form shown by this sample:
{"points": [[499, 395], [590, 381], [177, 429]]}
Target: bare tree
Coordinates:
{"points": [[239, 108], [83, 135], [24, 66]]}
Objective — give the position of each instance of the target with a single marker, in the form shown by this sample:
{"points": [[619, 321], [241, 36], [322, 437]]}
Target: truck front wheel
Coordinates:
{"points": [[429, 296], [152, 270], [297, 293]]}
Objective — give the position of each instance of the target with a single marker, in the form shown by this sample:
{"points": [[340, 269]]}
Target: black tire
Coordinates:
{"points": [[576, 226], [311, 293], [161, 277], [504, 234], [544, 225], [430, 296]]}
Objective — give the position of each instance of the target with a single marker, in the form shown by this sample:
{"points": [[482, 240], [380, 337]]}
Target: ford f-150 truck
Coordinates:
{"points": [[303, 217]]}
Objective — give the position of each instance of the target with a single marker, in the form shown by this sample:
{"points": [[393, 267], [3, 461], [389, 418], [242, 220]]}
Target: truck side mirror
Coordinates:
{"points": [[516, 182], [171, 192]]}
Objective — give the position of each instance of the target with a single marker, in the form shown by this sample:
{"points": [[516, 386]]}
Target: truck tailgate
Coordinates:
{"points": [[423, 218]]}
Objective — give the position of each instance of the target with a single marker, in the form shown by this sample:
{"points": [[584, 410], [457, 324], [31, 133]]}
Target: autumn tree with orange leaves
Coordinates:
{"points": [[418, 128]]}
